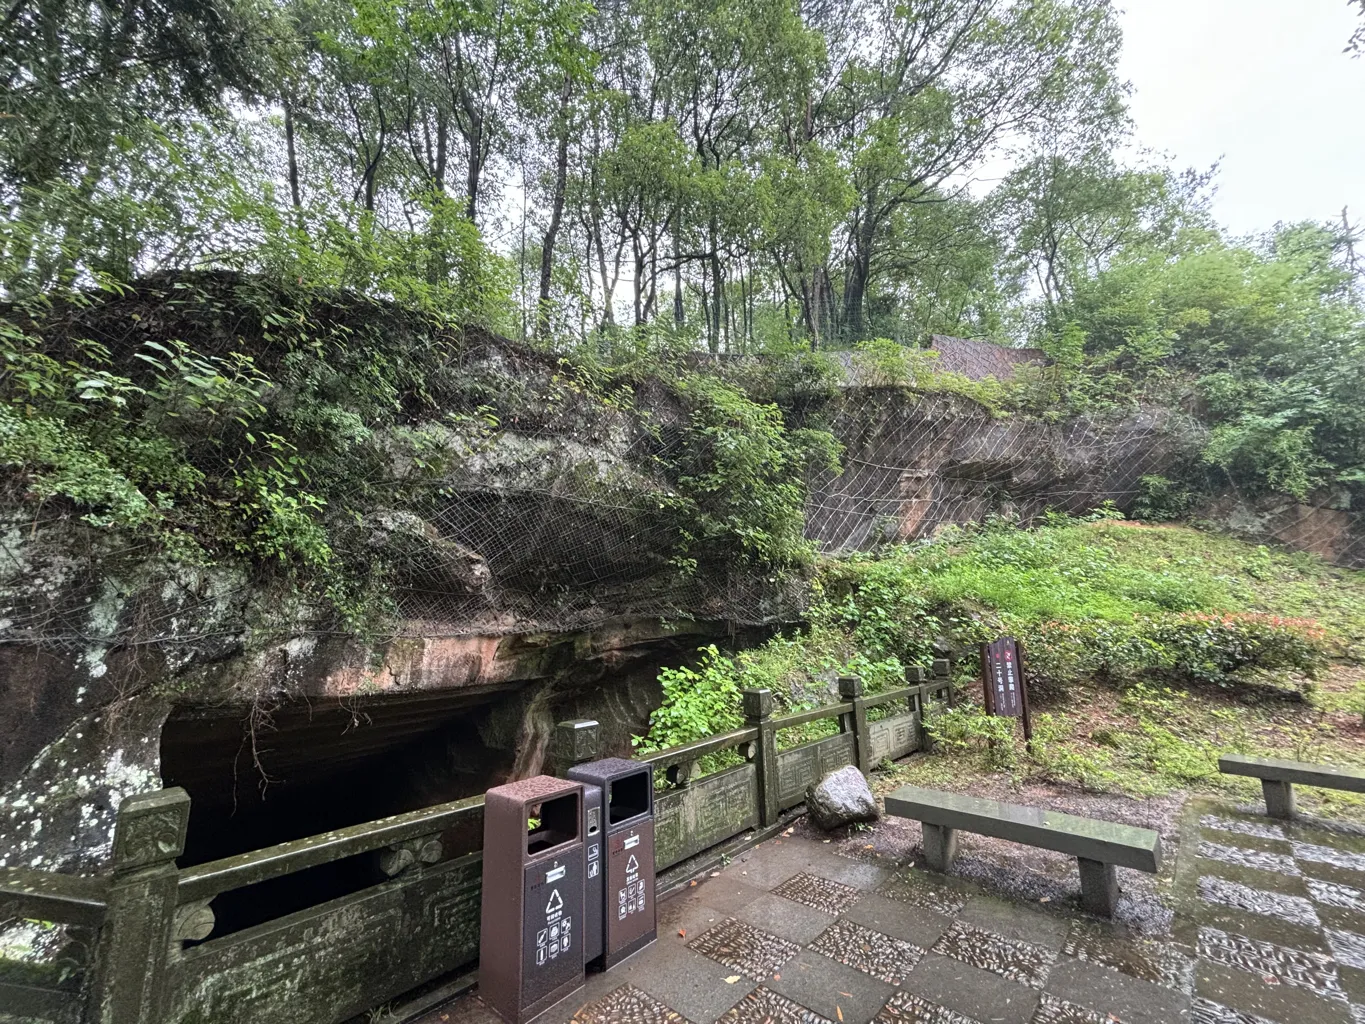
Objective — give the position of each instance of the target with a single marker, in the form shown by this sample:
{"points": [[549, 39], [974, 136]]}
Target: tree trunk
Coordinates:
{"points": [[547, 249], [677, 273], [475, 169], [860, 270], [292, 157]]}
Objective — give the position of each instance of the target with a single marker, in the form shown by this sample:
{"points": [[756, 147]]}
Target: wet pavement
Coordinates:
{"points": [[1259, 922]]}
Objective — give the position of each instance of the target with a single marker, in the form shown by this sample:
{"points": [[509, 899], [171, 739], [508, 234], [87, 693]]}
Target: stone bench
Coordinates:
{"points": [[1098, 846], [1278, 778]]}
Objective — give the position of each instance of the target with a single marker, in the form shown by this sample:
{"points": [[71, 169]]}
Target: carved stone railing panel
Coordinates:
{"points": [[801, 766], [333, 961], [704, 813]]}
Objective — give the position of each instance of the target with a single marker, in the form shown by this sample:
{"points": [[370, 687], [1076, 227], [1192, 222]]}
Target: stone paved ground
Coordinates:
{"points": [[1268, 925]]}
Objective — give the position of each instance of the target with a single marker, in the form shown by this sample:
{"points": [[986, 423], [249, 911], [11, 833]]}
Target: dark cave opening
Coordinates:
{"points": [[256, 779]]}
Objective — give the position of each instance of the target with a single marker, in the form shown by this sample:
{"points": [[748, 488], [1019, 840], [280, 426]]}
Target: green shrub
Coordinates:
{"points": [[967, 727], [1161, 500], [1218, 648], [740, 475], [697, 703]]}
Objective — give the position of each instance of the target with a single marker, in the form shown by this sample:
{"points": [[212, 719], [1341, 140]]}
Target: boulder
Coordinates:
{"points": [[841, 798]]}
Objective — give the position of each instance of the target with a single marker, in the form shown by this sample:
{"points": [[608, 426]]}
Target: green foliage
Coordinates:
{"points": [[1060, 760], [1161, 500], [968, 727], [740, 473], [885, 363], [1271, 338], [696, 703], [1099, 600], [273, 457]]}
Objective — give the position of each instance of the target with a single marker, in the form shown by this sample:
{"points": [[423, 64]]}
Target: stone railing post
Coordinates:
{"points": [[576, 742], [758, 714], [851, 690], [135, 941], [943, 678], [915, 677]]}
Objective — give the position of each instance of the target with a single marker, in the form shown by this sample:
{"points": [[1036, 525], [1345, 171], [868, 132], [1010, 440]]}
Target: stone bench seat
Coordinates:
{"points": [[1098, 846], [1278, 779]]}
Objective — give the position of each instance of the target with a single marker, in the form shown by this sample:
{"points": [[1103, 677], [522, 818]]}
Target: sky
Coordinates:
{"points": [[1263, 87]]}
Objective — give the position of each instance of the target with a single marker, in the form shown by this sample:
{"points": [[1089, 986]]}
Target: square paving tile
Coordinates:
{"points": [[1266, 996], [849, 870], [881, 956], [1330, 856], [1241, 857], [976, 994], [785, 919], [932, 892], [1346, 867], [907, 1008], [766, 865], [1281, 906], [627, 1005], [1014, 921], [1010, 958], [1334, 894], [1347, 947], [1144, 959], [686, 981], [1100, 990], [751, 951], [764, 1006], [819, 893], [726, 894], [1273, 963], [1236, 826], [831, 989], [1052, 1010], [917, 925], [1206, 1011]]}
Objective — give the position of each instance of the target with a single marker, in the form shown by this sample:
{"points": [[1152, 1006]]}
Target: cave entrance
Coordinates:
{"points": [[258, 778]]}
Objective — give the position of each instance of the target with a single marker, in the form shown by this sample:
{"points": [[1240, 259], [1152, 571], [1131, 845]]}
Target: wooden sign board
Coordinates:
{"points": [[1002, 671]]}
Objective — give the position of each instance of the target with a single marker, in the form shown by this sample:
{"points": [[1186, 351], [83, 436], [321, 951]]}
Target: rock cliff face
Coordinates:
{"points": [[532, 580], [914, 463], [535, 589]]}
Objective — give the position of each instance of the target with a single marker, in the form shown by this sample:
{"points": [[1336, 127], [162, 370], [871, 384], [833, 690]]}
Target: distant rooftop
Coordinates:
{"points": [[981, 359]]}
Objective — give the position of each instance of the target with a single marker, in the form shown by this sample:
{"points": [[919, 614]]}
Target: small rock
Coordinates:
{"points": [[841, 798]]}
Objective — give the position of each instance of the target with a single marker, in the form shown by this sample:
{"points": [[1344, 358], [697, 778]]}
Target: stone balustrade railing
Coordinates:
{"points": [[148, 930]]}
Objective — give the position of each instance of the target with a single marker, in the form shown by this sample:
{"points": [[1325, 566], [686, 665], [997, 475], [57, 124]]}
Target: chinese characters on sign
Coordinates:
{"points": [[1006, 691]]}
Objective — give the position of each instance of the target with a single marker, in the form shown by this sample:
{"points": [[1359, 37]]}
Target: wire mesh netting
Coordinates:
{"points": [[554, 516]]}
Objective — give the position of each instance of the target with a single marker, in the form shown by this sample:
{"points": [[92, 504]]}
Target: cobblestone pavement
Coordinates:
{"points": [[1268, 927]]}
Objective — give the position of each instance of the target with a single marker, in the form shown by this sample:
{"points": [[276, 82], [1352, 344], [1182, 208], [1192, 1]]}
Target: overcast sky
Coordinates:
{"points": [[1262, 85]]}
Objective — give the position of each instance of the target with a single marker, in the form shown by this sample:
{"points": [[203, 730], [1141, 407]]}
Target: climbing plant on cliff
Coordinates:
{"points": [[363, 449], [741, 473]]}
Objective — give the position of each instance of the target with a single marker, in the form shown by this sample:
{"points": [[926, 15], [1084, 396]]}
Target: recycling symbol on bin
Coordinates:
{"points": [[556, 902], [632, 864]]}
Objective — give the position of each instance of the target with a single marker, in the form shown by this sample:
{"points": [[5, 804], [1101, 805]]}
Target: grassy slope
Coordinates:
{"points": [[1154, 738], [1136, 732]]}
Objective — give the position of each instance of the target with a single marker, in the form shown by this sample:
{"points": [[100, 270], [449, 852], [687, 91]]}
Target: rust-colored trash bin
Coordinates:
{"points": [[531, 943], [629, 920]]}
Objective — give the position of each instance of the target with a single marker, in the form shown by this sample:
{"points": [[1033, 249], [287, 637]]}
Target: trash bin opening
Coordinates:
{"points": [[558, 823], [628, 797]]}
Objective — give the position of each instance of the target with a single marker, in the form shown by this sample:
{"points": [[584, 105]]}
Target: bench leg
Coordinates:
{"points": [[1099, 887], [940, 846], [1279, 798]]}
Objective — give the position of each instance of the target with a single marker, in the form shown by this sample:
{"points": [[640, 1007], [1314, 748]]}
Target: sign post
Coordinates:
{"points": [[1002, 669]]}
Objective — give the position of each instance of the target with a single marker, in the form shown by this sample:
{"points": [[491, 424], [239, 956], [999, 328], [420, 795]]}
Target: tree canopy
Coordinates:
{"points": [[734, 177]]}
